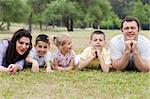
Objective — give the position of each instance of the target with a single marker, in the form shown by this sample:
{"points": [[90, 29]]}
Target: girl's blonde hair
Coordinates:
{"points": [[60, 40]]}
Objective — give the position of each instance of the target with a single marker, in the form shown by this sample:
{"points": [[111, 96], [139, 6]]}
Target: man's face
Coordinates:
{"points": [[130, 30]]}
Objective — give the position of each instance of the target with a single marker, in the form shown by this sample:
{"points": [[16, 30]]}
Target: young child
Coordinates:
{"points": [[40, 55], [96, 53], [64, 55]]}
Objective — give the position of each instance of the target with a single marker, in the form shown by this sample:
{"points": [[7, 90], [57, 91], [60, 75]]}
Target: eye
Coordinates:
{"points": [[40, 46], [21, 42], [95, 40], [100, 40], [45, 46], [133, 28], [126, 28], [27, 44]]}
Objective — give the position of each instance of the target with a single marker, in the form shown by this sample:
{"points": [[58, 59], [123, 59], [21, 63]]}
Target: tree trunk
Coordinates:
{"points": [[40, 24], [30, 22], [1, 26], [68, 21], [8, 25]]}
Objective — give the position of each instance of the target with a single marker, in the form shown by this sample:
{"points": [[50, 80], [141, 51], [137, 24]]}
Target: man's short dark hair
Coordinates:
{"points": [[129, 19]]}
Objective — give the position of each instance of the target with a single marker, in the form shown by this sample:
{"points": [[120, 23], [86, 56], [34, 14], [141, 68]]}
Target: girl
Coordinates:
{"points": [[13, 52], [64, 56]]}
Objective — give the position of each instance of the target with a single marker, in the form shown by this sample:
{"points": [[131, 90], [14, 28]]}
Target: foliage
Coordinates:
{"points": [[144, 14]]}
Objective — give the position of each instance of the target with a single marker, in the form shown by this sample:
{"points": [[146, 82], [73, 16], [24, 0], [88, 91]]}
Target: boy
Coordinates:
{"points": [[39, 55], [96, 53]]}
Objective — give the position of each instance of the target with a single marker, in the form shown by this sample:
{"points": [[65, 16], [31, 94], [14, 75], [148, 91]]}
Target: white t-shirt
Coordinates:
{"points": [[117, 46], [41, 60]]}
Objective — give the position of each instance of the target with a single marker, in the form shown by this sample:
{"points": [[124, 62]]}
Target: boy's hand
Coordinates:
{"points": [[35, 67], [93, 53], [98, 53]]}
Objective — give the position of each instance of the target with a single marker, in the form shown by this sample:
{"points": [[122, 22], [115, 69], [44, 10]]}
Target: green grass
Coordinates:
{"points": [[90, 84]]}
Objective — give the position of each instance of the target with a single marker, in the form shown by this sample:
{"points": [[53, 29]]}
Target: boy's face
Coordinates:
{"points": [[97, 41], [42, 48]]}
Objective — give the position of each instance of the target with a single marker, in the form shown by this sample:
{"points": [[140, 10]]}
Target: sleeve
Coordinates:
{"points": [[1, 53], [115, 49], [145, 51], [32, 52], [3, 47], [21, 64], [49, 57], [84, 54]]}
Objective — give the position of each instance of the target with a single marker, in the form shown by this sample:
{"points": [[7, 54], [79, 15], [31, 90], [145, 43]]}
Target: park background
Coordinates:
{"points": [[77, 18]]}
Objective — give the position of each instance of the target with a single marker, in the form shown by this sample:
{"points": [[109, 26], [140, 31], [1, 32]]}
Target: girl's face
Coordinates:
{"points": [[67, 45], [97, 41], [22, 45], [42, 48]]}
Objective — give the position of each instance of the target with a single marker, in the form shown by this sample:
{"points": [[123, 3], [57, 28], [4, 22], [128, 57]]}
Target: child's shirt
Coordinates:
{"points": [[40, 59], [87, 53], [63, 61]]}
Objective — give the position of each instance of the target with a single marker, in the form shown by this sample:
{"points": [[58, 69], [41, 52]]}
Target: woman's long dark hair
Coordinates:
{"points": [[12, 56]]}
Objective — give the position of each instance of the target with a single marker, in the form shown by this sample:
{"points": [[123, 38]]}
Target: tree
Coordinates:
{"points": [[96, 11], [37, 7], [144, 15], [63, 9], [12, 11], [122, 7]]}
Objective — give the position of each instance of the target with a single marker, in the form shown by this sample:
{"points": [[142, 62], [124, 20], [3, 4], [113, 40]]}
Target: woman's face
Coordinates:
{"points": [[22, 45]]}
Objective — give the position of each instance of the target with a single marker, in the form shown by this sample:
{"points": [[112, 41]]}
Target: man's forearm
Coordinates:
{"points": [[122, 62], [142, 65]]}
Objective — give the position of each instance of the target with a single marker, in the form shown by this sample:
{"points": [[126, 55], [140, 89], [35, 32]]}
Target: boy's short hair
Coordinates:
{"points": [[42, 37], [97, 32], [129, 19]]}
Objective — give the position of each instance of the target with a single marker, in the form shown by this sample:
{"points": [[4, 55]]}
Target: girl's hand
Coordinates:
{"points": [[48, 69]]}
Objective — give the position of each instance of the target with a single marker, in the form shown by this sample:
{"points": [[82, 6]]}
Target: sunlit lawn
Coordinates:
{"points": [[90, 84]]}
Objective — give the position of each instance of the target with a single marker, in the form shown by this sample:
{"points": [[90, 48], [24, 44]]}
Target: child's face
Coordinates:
{"points": [[97, 41], [42, 48], [67, 46]]}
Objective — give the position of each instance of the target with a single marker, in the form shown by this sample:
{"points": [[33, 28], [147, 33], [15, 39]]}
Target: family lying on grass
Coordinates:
{"points": [[127, 51]]}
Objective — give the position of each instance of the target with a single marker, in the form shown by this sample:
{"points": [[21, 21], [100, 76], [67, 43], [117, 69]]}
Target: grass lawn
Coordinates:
{"points": [[90, 84]]}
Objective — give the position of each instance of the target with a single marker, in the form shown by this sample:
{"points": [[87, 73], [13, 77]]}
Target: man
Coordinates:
{"points": [[129, 50]]}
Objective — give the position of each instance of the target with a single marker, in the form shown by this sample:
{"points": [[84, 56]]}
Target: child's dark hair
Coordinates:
{"points": [[97, 32], [42, 37]]}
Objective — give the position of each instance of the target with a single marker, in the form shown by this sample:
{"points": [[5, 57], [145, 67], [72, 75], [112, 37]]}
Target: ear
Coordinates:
{"points": [[90, 42], [122, 30]]}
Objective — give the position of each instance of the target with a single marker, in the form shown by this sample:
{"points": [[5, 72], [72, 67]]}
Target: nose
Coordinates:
{"points": [[23, 45], [130, 30]]}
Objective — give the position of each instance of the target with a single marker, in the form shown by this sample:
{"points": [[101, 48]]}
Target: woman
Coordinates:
{"points": [[14, 52]]}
